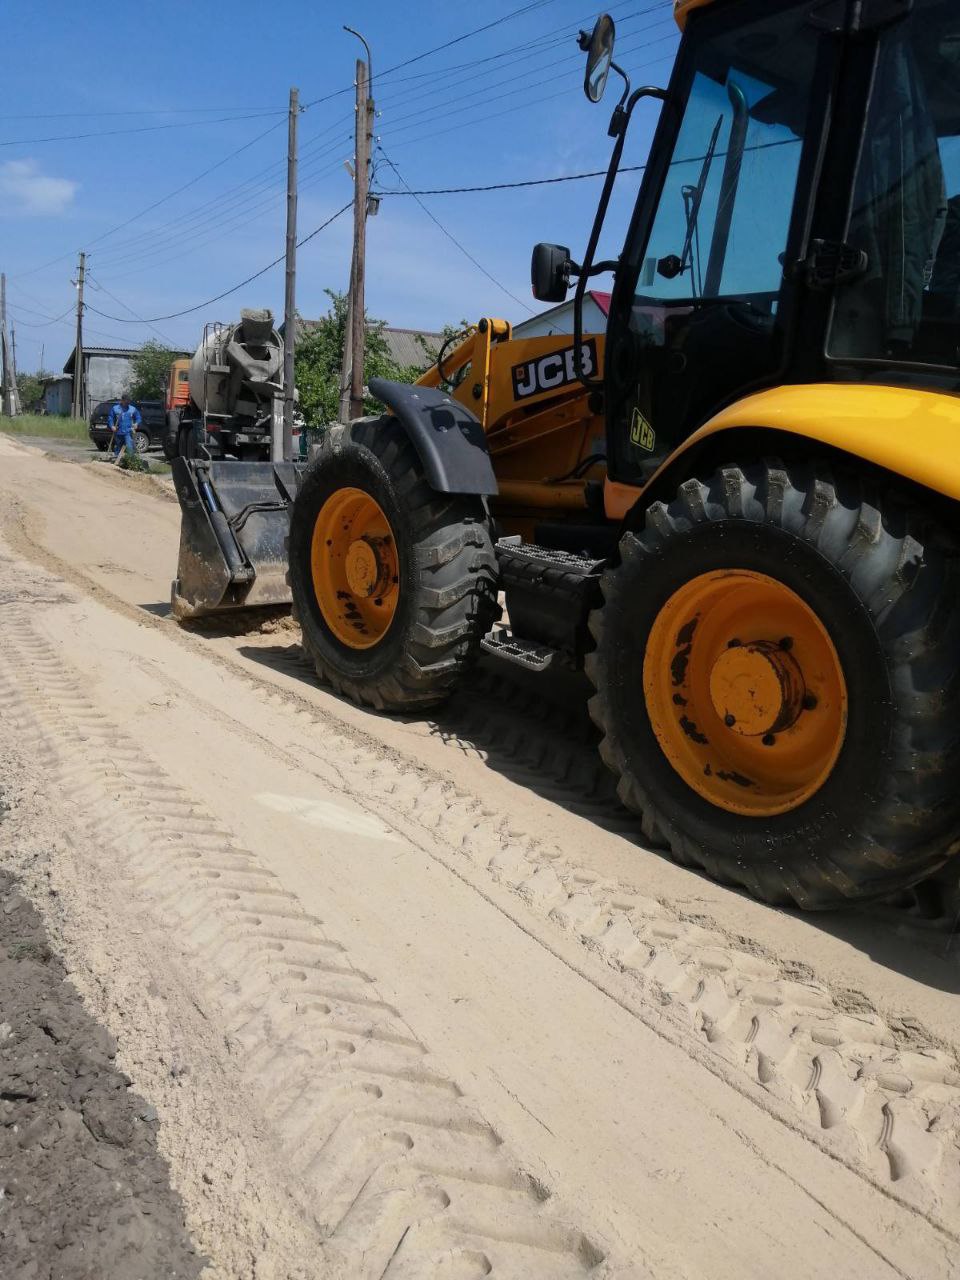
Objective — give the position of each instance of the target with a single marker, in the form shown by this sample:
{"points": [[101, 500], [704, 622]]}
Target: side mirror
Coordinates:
{"points": [[550, 272], [599, 50]]}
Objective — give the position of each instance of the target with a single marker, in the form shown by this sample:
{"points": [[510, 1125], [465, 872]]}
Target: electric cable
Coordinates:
{"points": [[98, 285], [507, 17], [175, 315], [452, 238], [147, 128]]}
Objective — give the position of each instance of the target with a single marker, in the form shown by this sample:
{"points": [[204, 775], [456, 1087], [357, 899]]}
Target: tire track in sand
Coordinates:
{"points": [[403, 1179], [875, 1094]]}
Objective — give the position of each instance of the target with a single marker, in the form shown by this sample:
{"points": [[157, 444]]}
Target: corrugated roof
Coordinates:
{"points": [[98, 351], [417, 347], [413, 346]]}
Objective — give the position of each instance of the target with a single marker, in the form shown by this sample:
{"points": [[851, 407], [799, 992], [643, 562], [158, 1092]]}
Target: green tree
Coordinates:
{"points": [[319, 357], [150, 369], [30, 386]]}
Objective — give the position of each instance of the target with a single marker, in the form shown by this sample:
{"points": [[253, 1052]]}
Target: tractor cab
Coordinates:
{"points": [[798, 222]]}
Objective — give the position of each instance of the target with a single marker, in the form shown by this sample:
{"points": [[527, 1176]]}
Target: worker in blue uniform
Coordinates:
{"points": [[123, 422]]}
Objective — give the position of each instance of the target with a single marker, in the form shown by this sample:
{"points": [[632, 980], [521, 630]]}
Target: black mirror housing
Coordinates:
{"points": [[550, 272]]}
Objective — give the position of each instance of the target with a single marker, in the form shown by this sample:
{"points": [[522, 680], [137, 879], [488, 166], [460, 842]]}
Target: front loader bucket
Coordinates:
{"points": [[233, 535]]}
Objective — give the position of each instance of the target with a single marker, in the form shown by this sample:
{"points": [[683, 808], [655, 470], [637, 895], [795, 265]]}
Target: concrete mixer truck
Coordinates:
{"points": [[223, 401]]}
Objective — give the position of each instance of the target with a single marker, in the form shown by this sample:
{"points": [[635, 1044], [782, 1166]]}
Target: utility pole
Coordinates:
{"points": [[358, 314], [282, 449], [78, 396], [5, 400], [6, 374], [351, 384]]}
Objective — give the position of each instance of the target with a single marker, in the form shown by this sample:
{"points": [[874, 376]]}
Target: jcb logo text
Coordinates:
{"points": [[555, 369]]}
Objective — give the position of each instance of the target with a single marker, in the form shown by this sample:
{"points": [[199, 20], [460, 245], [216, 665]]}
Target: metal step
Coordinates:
{"points": [[522, 653]]}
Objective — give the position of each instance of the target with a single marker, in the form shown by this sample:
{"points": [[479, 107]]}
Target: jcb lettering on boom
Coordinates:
{"points": [[555, 369]]}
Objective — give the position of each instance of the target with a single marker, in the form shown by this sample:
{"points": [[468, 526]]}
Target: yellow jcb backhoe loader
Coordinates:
{"points": [[763, 587]]}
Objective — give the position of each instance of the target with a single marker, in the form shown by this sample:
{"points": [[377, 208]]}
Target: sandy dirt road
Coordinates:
{"points": [[409, 998]]}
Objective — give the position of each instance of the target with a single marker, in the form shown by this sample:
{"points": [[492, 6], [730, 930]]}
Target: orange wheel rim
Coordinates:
{"points": [[355, 570], [745, 692]]}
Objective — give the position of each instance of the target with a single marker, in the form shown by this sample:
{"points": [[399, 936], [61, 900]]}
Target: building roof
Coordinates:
{"points": [[417, 347], [413, 346], [98, 351]]}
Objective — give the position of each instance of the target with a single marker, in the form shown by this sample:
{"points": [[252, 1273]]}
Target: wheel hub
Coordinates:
{"points": [[745, 692], [365, 567], [355, 568], [756, 688]]}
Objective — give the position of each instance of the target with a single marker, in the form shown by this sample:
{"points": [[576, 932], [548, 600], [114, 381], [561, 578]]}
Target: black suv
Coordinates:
{"points": [[149, 434]]}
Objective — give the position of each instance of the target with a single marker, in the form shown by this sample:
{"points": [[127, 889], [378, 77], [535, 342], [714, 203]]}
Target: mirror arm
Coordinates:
{"points": [[621, 117]]}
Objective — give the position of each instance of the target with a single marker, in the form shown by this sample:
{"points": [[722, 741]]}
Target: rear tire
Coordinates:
{"points": [[188, 442], [141, 442], [883, 581], [445, 579], [171, 436]]}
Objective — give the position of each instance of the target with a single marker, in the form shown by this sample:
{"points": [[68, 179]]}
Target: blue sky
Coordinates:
{"points": [[501, 106]]}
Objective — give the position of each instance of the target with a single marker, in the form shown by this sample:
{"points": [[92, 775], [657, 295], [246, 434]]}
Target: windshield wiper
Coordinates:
{"points": [[692, 200]]}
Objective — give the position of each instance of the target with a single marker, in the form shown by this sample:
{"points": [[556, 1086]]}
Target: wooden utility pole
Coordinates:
{"points": [[78, 388], [358, 312], [285, 443], [10, 399], [5, 400], [346, 365]]}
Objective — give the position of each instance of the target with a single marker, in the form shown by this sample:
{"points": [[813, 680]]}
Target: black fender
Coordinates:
{"points": [[449, 440]]}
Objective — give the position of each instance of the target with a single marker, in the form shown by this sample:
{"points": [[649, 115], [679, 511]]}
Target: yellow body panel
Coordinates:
{"points": [[537, 416], [906, 431], [683, 8]]}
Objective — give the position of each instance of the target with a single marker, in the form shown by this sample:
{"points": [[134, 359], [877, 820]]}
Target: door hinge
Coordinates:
{"points": [[830, 263]]}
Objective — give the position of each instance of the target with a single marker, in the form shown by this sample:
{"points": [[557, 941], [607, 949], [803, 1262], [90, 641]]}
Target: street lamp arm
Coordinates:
{"points": [[369, 59]]}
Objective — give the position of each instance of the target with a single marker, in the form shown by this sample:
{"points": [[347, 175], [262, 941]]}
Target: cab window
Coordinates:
{"points": [[905, 306]]}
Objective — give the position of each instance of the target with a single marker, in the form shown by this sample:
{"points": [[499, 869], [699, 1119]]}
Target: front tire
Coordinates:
{"points": [[393, 583], [776, 678], [141, 442]]}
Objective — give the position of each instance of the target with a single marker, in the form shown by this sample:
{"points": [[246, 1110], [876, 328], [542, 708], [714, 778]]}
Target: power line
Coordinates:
{"points": [[197, 223], [562, 35], [507, 17], [97, 284], [452, 238], [530, 65], [39, 324], [487, 116], [175, 315], [152, 111], [192, 182], [430, 111], [147, 128], [572, 177], [147, 259], [510, 186], [256, 182], [156, 204]]}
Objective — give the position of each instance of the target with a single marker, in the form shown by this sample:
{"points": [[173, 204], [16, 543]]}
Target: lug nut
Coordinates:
{"points": [[786, 642], [809, 701], [729, 720], [768, 739], [733, 644]]}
